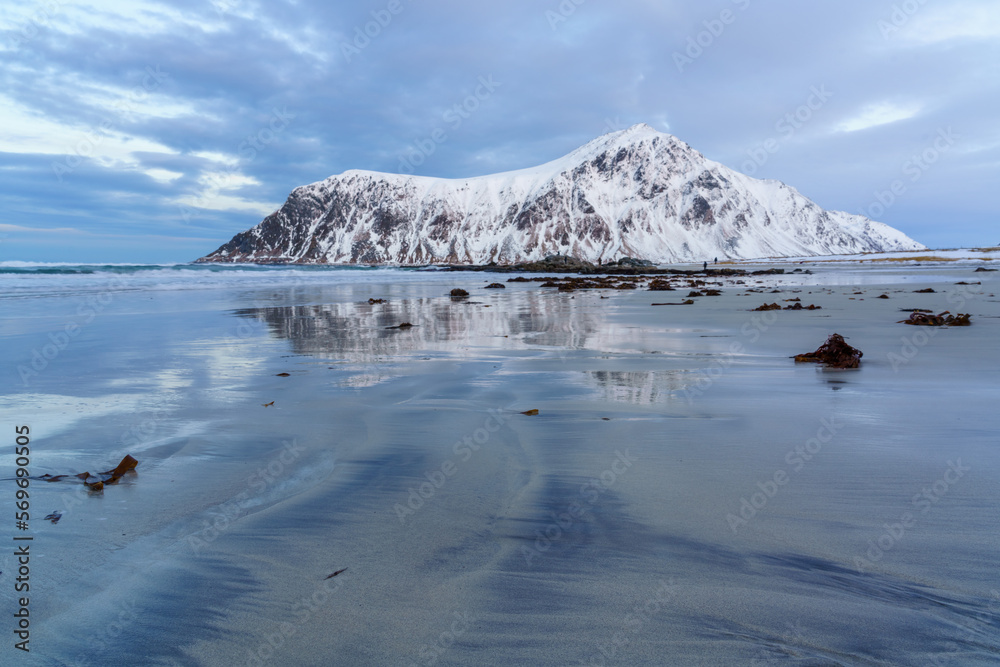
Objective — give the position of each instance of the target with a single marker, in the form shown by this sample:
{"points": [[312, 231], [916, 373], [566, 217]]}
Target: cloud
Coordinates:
{"points": [[880, 113], [191, 150], [18, 229], [25, 131], [163, 175], [948, 24]]}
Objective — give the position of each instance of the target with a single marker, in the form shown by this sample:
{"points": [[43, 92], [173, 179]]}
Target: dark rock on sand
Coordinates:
{"points": [[835, 353], [631, 261], [625, 267], [940, 320]]}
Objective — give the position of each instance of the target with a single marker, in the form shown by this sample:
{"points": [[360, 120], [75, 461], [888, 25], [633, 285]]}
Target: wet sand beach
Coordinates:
{"points": [[686, 493]]}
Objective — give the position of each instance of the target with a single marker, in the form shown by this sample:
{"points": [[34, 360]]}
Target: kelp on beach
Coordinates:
{"points": [[97, 481], [834, 353]]}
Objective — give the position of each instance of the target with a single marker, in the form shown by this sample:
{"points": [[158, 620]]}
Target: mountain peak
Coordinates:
{"points": [[612, 142], [633, 134], [640, 128]]}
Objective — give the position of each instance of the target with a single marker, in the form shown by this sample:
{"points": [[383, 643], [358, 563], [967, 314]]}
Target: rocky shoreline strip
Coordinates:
{"points": [[626, 266]]}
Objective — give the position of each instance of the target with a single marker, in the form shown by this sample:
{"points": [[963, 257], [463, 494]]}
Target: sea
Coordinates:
{"points": [[524, 475]]}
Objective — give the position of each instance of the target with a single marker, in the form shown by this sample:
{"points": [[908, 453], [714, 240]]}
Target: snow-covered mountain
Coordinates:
{"points": [[635, 193]]}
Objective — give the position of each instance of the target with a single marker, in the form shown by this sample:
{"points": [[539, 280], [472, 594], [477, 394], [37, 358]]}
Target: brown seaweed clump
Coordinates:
{"points": [[768, 306], [940, 320], [98, 481], [835, 353], [495, 286], [459, 292]]}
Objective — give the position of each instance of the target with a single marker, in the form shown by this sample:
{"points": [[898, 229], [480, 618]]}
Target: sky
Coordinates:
{"points": [[152, 132]]}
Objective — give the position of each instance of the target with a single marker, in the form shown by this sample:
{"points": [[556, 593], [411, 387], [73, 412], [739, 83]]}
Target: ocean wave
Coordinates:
{"points": [[21, 279], [45, 271]]}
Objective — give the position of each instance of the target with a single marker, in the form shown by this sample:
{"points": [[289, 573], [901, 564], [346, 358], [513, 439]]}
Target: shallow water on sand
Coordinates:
{"points": [[686, 495]]}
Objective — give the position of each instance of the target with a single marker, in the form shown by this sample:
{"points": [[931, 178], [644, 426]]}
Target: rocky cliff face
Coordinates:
{"points": [[636, 193]]}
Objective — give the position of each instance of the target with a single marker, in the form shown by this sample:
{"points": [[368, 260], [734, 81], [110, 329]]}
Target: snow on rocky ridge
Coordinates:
{"points": [[634, 193]]}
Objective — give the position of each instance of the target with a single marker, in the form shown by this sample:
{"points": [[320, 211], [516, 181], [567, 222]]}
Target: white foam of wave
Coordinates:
{"points": [[192, 277]]}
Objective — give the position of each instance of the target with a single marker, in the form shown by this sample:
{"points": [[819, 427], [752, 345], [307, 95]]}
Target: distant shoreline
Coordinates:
{"points": [[629, 266], [558, 264]]}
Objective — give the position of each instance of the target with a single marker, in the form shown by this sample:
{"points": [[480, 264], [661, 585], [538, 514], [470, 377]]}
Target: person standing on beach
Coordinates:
{"points": [[704, 266]]}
